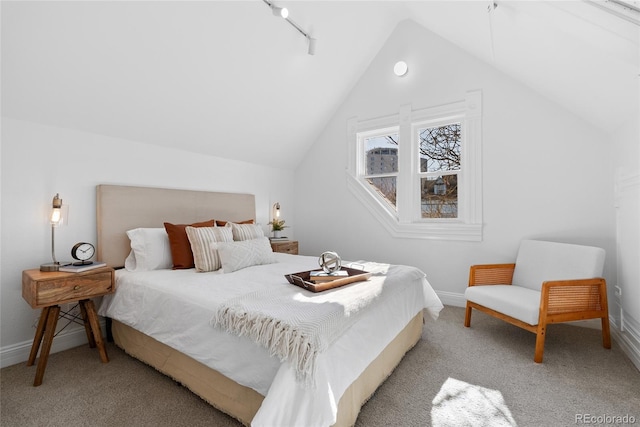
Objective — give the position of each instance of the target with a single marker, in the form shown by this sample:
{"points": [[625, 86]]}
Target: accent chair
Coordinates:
{"points": [[549, 283]]}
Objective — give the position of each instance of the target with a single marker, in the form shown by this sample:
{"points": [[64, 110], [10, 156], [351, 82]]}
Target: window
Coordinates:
{"points": [[439, 155], [381, 169], [419, 172]]}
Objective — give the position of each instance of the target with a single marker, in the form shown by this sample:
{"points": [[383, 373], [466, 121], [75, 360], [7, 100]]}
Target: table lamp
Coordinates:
{"points": [[58, 214]]}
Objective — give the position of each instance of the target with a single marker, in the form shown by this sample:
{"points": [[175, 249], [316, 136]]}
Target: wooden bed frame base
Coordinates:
{"points": [[242, 402]]}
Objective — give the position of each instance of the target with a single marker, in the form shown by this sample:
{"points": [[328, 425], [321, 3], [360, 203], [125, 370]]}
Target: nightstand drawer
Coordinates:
{"points": [[73, 289], [60, 288], [288, 247]]}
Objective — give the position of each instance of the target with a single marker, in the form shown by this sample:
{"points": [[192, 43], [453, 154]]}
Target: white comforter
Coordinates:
{"points": [[175, 307]]}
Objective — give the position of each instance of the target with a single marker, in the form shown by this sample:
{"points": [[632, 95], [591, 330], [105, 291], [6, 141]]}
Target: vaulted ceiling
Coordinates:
{"points": [[229, 79]]}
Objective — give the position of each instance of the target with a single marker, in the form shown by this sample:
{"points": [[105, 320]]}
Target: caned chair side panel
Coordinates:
{"points": [[576, 296], [491, 274]]}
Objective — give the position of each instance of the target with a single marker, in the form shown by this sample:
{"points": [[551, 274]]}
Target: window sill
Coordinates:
{"points": [[440, 230]]}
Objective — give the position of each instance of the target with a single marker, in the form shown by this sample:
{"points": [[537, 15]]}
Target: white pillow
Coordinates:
{"points": [[130, 263], [150, 250], [201, 238], [238, 255], [245, 231]]}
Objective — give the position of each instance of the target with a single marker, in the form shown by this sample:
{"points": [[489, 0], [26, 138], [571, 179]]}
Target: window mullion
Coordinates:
{"points": [[406, 168], [471, 176]]}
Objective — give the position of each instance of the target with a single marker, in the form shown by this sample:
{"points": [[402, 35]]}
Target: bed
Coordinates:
{"points": [[170, 319]]}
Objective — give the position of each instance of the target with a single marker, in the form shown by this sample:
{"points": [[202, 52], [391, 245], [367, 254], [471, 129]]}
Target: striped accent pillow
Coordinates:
{"points": [[202, 241], [245, 231]]}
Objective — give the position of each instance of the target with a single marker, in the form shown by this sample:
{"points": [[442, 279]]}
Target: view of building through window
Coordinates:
{"points": [[439, 151], [439, 154], [382, 165]]}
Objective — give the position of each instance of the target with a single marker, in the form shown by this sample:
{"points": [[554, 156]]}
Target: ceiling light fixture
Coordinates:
{"points": [[283, 12], [401, 68]]}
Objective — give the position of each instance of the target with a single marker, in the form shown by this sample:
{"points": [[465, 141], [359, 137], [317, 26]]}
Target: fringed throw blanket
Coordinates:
{"points": [[297, 325]]}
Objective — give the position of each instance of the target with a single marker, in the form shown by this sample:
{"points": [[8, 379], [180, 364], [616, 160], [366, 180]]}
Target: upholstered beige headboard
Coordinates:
{"points": [[121, 208]]}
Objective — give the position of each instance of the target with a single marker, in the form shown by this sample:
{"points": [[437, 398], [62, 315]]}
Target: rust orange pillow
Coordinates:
{"points": [[181, 253], [223, 223]]}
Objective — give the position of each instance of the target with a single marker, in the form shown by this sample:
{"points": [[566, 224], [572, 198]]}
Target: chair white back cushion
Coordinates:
{"points": [[540, 261]]}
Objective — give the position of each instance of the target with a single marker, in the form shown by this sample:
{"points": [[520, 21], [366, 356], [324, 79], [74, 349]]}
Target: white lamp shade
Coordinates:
{"points": [[56, 216], [59, 212]]}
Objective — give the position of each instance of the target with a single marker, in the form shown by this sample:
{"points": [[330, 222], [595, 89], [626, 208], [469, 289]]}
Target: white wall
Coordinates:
{"points": [[39, 161], [625, 304], [546, 173]]}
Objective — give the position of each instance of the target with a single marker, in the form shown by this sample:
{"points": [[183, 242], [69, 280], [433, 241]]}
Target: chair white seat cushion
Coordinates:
{"points": [[515, 301]]}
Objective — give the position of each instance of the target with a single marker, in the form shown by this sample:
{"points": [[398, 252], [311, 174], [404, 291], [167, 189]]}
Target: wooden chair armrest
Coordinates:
{"points": [[491, 274], [571, 296]]}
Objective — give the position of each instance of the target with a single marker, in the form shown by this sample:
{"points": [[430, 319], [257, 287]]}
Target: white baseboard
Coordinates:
{"points": [[452, 298], [19, 353], [627, 335], [631, 349]]}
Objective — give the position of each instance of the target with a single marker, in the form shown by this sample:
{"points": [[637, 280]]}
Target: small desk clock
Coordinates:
{"points": [[83, 252]]}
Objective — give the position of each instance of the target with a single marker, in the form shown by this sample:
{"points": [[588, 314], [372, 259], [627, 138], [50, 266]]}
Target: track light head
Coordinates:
{"points": [[282, 12], [312, 46]]}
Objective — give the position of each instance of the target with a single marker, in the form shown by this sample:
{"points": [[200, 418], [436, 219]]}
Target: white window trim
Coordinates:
{"points": [[404, 223]]}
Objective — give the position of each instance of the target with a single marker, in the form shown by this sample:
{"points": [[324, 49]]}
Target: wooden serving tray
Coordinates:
{"points": [[303, 279]]}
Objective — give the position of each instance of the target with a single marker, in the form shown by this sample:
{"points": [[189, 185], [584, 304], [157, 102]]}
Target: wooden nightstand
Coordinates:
{"points": [[285, 246], [47, 290]]}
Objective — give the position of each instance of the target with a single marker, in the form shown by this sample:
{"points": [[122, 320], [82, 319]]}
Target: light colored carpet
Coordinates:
{"points": [[482, 376]]}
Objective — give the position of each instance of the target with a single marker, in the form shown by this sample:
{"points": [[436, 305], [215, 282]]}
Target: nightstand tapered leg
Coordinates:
{"points": [[50, 331], [42, 322], [87, 325], [95, 327]]}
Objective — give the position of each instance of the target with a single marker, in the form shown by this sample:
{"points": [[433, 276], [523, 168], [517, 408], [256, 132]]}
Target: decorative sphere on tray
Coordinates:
{"points": [[330, 262]]}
